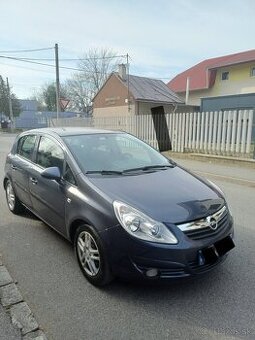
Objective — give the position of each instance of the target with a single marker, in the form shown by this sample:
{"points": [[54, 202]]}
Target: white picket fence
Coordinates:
{"points": [[226, 133]]}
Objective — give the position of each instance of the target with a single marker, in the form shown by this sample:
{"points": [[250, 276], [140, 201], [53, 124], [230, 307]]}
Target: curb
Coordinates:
{"points": [[18, 310], [247, 162]]}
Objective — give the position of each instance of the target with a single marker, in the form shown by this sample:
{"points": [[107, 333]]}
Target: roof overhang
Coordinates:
{"points": [[157, 102]]}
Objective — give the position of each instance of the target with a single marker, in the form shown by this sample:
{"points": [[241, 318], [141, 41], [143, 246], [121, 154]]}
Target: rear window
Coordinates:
{"points": [[26, 146]]}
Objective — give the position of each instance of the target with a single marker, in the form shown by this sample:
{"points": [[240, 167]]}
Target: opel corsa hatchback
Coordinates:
{"points": [[128, 210]]}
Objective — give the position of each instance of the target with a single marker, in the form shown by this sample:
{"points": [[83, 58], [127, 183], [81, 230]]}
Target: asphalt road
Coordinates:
{"points": [[220, 305]]}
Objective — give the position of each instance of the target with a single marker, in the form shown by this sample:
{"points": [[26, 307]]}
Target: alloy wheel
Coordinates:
{"points": [[10, 196], [88, 253]]}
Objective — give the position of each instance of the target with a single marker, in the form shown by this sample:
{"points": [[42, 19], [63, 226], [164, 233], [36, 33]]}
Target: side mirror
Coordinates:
{"points": [[52, 173]]}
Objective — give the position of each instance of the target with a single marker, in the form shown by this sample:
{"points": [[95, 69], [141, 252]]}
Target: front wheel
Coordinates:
{"points": [[13, 202], [91, 256]]}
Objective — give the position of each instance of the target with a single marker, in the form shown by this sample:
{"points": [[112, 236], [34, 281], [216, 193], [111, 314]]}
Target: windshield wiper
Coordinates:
{"points": [[104, 172], [150, 167]]}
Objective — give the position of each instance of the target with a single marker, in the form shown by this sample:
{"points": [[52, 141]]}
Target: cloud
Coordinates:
{"points": [[162, 37]]}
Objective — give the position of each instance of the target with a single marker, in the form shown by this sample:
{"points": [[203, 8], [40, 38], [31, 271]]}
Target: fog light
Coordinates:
{"points": [[151, 272]]}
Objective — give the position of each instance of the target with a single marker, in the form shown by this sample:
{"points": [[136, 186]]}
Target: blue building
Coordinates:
{"points": [[31, 118]]}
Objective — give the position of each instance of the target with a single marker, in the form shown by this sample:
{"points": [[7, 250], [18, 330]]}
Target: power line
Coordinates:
{"points": [[27, 61], [98, 58], [44, 64], [38, 63], [72, 59], [26, 68], [32, 50]]}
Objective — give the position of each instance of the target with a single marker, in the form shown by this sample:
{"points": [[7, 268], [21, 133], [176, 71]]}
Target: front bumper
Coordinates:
{"points": [[133, 258]]}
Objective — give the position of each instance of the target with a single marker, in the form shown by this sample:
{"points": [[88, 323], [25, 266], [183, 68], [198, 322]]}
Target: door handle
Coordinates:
{"points": [[33, 180], [14, 167]]}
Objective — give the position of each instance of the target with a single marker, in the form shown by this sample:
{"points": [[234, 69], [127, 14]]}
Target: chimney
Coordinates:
{"points": [[123, 72]]}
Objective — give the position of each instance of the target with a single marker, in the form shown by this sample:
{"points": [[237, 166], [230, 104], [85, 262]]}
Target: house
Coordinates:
{"points": [[221, 83], [124, 94]]}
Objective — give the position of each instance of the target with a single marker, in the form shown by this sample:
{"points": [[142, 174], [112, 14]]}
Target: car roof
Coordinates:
{"points": [[72, 131]]}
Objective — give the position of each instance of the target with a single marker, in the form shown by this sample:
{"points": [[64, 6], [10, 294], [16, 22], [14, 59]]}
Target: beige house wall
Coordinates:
{"points": [[145, 108], [113, 94], [116, 111], [239, 82]]}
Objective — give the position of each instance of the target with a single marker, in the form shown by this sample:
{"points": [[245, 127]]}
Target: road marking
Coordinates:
{"points": [[236, 179]]}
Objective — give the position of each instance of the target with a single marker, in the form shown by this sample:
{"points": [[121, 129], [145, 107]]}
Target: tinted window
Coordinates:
{"points": [[50, 154], [113, 152], [26, 146]]}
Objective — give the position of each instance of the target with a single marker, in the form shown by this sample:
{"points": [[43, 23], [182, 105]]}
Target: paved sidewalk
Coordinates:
{"points": [[232, 171], [7, 331], [20, 324], [238, 173]]}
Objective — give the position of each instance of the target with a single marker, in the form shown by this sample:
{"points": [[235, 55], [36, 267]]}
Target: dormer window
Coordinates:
{"points": [[253, 71], [224, 75]]}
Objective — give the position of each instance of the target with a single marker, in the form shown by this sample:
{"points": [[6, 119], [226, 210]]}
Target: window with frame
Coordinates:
{"points": [[26, 146], [225, 75], [50, 154], [68, 175], [253, 71]]}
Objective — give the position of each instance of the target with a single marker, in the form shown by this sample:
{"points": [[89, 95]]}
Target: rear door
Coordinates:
{"points": [[48, 196], [22, 163]]}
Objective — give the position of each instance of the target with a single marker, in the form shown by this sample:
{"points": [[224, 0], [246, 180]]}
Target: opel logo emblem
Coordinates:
{"points": [[212, 223]]}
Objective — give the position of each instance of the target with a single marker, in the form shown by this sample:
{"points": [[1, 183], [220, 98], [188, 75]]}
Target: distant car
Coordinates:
{"points": [[128, 210]]}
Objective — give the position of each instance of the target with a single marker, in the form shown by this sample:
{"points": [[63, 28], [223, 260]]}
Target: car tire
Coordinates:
{"points": [[14, 204], [91, 256]]}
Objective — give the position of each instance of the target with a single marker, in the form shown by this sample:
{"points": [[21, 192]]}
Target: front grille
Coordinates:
{"points": [[205, 231], [208, 232]]}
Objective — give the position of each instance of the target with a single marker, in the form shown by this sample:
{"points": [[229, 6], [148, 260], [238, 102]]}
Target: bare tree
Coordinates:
{"points": [[96, 66], [79, 93]]}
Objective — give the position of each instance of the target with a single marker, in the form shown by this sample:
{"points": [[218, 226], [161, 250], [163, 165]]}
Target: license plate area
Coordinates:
{"points": [[212, 253]]}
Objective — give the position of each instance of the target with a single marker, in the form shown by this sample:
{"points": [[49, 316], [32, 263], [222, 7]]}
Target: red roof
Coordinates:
{"points": [[202, 75]]}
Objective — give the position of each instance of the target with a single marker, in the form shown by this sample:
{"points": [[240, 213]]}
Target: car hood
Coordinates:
{"points": [[171, 196]]}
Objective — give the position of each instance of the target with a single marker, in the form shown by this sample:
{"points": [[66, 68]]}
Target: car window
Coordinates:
{"points": [[112, 152], [50, 154], [26, 146], [68, 175]]}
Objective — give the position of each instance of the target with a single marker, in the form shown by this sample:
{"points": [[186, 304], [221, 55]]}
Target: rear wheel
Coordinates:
{"points": [[13, 202], [91, 256]]}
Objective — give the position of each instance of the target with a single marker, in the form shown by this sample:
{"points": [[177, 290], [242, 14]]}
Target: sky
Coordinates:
{"points": [[163, 37]]}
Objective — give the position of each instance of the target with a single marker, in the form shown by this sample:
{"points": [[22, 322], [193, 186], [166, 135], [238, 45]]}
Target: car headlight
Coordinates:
{"points": [[142, 226]]}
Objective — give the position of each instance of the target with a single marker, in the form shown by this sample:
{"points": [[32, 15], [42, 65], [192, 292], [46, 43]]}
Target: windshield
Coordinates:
{"points": [[113, 152]]}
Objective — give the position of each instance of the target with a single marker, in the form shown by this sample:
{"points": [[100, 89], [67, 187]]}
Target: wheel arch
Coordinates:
{"points": [[74, 225], [6, 178]]}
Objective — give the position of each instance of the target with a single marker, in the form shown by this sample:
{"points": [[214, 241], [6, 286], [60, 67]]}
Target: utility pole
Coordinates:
{"points": [[57, 79], [10, 104], [187, 91], [128, 81]]}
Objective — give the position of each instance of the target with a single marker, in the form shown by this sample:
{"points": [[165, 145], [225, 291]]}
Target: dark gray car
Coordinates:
{"points": [[128, 210]]}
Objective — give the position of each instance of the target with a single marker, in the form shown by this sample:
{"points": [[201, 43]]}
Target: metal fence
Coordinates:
{"points": [[228, 133]]}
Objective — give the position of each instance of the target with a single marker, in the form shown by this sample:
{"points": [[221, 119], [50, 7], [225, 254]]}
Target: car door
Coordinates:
{"points": [[21, 165], [48, 196]]}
